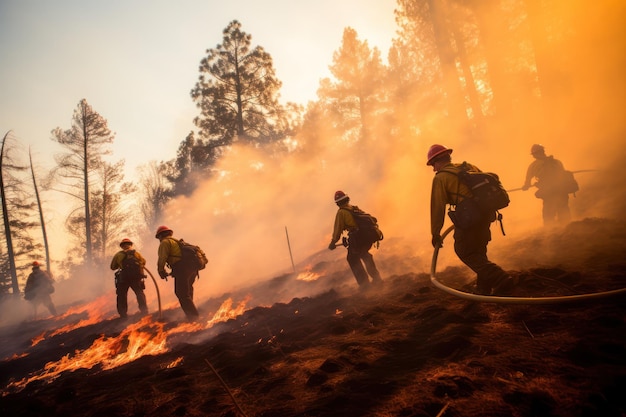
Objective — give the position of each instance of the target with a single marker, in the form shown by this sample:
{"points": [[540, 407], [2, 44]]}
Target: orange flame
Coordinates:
{"points": [[227, 312], [139, 339], [95, 310], [308, 276]]}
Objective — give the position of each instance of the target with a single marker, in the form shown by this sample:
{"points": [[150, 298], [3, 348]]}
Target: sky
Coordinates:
{"points": [[136, 61]]}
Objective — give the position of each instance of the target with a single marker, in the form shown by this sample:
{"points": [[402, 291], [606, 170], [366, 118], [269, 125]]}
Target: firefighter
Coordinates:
{"points": [[470, 243]]}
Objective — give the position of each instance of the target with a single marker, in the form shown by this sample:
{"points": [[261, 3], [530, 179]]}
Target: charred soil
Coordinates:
{"points": [[403, 349]]}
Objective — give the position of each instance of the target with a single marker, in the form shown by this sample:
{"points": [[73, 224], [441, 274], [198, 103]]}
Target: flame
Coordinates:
{"points": [[308, 276], [227, 312], [142, 338], [95, 310], [175, 363]]}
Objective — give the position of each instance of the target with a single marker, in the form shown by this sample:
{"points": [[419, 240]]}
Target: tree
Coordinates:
{"points": [[17, 209], [7, 224], [40, 210], [155, 190], [237, 94], [356, 94], [85, 142], [193, 159], [111, 215]]}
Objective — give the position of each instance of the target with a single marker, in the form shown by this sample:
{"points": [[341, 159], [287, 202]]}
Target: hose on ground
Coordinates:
{"points": [[510, 300], [156, 286]]}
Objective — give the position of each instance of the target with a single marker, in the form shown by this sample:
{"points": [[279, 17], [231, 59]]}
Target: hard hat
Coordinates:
{"points": [[537, 149], [339, 196], [36, 264], [162, 229], [435, 151], [124, 241]]}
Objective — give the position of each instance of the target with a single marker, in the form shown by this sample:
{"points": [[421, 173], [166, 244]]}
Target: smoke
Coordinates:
{"points": [[241, 218]]}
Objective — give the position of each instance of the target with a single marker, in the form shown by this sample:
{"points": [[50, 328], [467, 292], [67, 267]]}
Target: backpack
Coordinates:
{"points": [[568, 182], [131, 267], [192, 256], [367, 231], [488, 196], [555, 180], [486, 188]]}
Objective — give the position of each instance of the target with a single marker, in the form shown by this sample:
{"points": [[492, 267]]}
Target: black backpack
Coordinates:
{"points": [[488, 196], [367, 232], [131, 267], [193, 257], [486, 188]]}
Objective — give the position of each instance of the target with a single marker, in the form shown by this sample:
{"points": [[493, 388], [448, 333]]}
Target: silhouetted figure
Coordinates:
{"points": [[39, 286], [552, 185]]}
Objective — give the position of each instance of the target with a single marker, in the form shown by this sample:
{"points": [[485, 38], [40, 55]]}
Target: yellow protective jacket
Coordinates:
{"points": [[116, 262], [446, 190], [543, 170], [169, 253], [343, 221]]}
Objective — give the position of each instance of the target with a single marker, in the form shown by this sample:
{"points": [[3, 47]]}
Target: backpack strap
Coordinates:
{"points": [[458, 184]]}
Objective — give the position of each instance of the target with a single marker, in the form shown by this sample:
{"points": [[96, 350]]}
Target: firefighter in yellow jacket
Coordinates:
{"points": [[358, 250], [130, 274], [470, 243], [184, 276]]}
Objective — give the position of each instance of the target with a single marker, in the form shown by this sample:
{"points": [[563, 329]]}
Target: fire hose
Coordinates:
{"points": [[534, 185], [156, 286], [510, 300]]}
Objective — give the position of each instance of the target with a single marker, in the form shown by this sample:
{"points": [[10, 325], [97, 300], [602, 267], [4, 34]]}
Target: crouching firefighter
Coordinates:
{"points": [[129, 265], [359, 241]]}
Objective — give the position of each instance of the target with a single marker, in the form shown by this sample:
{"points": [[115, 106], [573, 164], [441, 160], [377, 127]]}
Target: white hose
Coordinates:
{"points": [[156, 286], [510, 300]]}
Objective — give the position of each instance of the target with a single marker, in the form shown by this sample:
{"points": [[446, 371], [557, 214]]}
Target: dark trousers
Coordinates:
{"points": [[556, 209], [46, 300], [183, 288], [470, 245], [358, 255], [122, 287]]}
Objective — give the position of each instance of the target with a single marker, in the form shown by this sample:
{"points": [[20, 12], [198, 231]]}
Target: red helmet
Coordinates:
{"points": [[162, 229], [36, 264], [435, 151], [125, 241], [339, 196]]}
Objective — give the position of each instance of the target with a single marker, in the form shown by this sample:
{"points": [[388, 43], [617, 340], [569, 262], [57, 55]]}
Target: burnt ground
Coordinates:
{"points": [[406, 349]]}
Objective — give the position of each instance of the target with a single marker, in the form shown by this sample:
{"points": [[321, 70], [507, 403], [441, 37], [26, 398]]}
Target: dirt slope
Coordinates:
{"points": [[407, 349]]}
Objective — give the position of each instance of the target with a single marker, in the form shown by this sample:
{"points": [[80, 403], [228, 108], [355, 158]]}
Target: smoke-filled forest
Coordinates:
{"points": [[284, 330]]}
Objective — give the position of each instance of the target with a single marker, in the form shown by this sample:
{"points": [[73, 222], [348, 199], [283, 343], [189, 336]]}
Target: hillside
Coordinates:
{"points": [[407, 349]]}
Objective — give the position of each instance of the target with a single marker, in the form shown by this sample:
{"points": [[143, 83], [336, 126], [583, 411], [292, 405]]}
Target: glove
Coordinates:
{"points": [[437, 242], [163, 274], [332, 246]]}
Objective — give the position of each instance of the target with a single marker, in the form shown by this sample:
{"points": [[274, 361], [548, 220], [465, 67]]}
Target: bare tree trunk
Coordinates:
{"points": [[88, 242], [447, 57], [7, 227], [470, 85], [41, 220]]}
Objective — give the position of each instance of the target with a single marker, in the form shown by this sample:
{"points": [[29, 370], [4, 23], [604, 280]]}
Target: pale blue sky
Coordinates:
{"points": [[135, 61]]}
